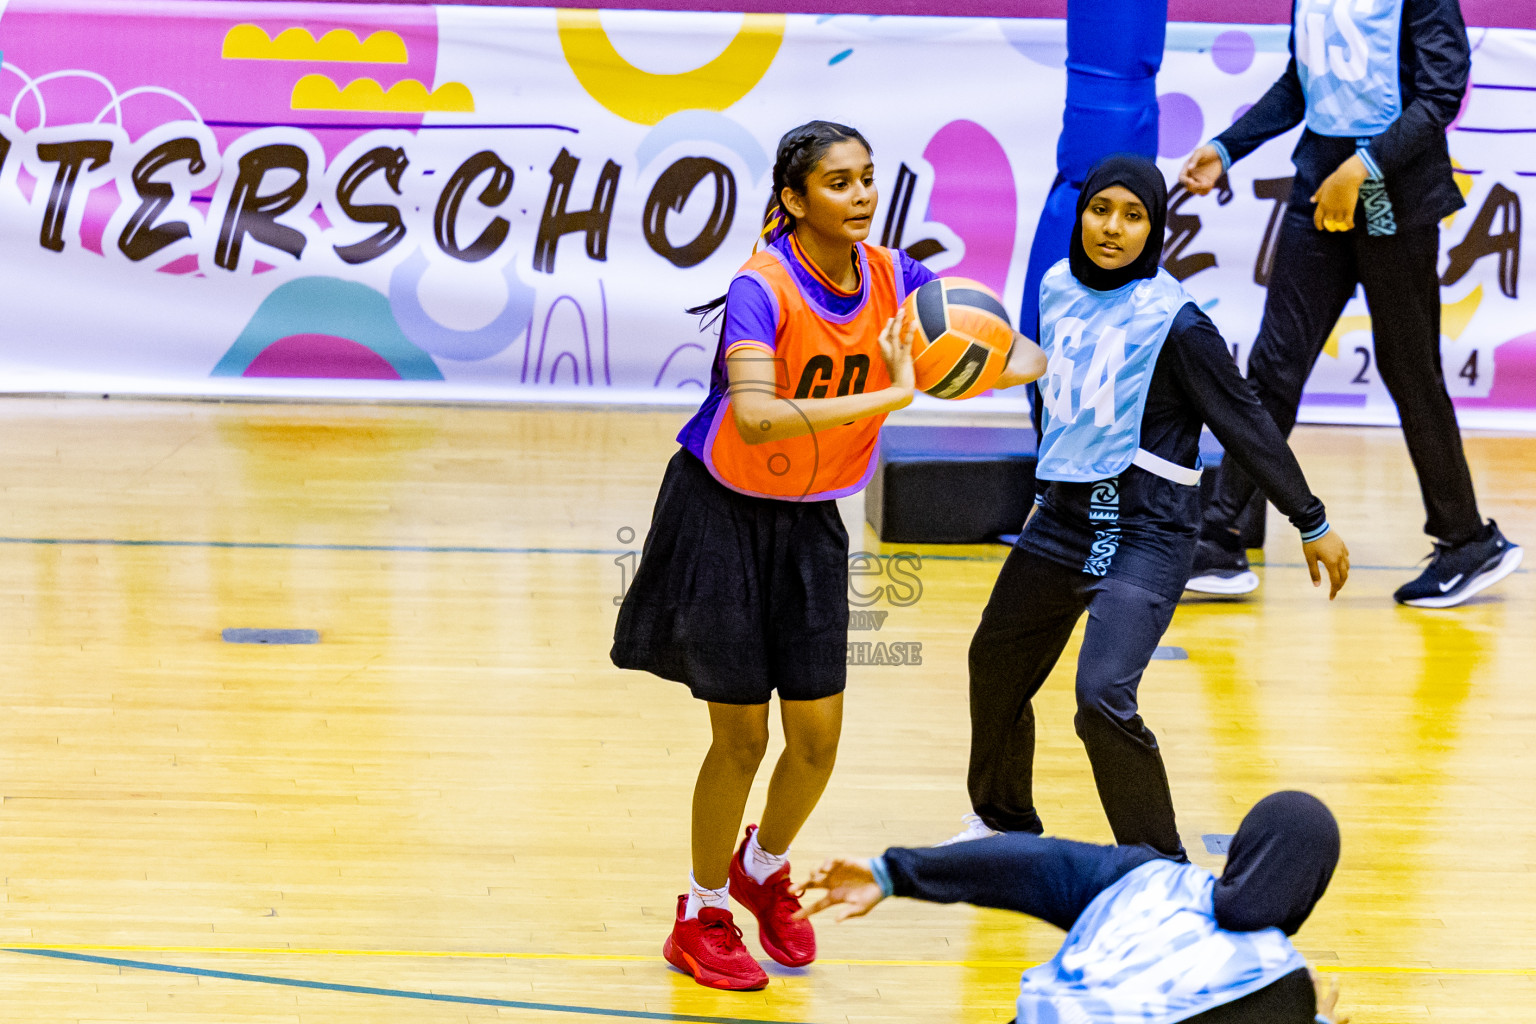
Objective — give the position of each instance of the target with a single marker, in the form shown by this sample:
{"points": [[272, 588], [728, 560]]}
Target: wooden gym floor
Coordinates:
{"points": [[454, 809]]}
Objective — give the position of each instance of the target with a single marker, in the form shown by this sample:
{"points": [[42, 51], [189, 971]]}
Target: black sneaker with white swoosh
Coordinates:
{"points": [[1456, 573]]}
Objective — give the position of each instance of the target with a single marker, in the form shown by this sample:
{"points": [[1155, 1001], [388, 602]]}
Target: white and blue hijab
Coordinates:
{"points": [[1169, 941]]}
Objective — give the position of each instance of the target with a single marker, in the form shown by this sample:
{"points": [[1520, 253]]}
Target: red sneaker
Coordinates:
{"points": [[710, 948], [790, 942]]}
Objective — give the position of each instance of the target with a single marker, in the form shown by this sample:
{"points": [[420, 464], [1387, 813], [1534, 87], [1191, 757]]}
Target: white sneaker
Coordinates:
{"points": [[1219, 571], [975, 828], [1224, 584]]}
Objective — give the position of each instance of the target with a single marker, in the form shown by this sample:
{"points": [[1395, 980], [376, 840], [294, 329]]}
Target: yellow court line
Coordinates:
{"points": [[445, 954]]}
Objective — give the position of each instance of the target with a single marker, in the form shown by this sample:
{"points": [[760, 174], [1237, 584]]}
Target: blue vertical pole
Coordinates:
{"points": [[1114, 50]]}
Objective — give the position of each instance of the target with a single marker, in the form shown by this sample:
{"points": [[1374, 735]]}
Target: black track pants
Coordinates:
{"points": [[1033, 608], [1315, 273]]}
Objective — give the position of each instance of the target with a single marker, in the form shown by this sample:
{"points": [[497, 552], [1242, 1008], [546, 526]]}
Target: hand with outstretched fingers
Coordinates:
{"points": [[896, 349], [847, 882], [1327, 998]]}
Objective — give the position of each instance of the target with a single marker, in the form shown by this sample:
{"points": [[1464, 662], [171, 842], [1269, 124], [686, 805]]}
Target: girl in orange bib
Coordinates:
{"points": [[743, 585]]}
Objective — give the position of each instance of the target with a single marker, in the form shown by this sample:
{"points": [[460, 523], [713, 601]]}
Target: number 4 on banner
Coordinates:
{"points": [[1469, 369]]}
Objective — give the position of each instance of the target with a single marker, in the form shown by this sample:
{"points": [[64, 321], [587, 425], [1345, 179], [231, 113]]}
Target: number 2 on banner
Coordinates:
{"points": [[1365, 365]]}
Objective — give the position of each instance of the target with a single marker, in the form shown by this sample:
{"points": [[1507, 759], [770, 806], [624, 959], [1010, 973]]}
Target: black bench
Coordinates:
{"points": [[968, 485]]}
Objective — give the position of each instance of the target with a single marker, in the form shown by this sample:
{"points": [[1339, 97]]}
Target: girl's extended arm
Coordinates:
{"points": [[763, 416], [1026, 363], [1229, 406], [1052, 879]]}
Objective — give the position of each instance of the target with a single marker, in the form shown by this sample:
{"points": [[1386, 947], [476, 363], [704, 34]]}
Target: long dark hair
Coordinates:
{"points": [[800, 150]]}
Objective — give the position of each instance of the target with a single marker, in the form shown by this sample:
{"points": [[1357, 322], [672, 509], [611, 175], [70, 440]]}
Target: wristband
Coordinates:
{"points": [[1372, 168], [883, 876], [1308, 536], [1221, 151]]}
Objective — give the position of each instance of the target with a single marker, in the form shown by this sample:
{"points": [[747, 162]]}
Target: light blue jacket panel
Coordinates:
{"points": [[1147, 951], [1346, 58]]}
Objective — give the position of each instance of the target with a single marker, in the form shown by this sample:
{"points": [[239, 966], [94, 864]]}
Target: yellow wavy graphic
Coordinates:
{"points": [[647, 98], [1455, 317], [317, 92], [1346, 325], [250, 42]]}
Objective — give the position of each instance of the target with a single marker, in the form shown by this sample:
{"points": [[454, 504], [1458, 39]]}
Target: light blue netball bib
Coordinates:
{"points": [[1147, 951], [1346, 55], [1101, 348]]}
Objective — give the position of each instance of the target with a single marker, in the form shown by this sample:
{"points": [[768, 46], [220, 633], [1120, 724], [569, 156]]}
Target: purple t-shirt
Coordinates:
{"points": [[751, 315]]}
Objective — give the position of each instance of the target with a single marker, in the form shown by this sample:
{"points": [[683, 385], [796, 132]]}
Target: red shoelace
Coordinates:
{"points": [[722, 933]]}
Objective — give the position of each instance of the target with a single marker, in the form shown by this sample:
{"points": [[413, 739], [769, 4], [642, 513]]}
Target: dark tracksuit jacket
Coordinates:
{"points": [[1055, 880]]}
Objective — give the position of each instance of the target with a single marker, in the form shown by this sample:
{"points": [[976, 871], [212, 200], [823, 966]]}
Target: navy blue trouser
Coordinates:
{"points": [[1315, 273], [1030, 616]]}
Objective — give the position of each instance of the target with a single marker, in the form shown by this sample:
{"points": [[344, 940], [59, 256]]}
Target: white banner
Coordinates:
{"points": [[327, 200]]}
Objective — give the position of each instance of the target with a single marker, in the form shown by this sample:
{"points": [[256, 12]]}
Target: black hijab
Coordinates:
{"points": [[1142, 177], [1278, 865]]}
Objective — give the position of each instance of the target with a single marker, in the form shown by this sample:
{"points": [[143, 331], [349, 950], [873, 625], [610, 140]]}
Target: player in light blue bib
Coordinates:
{"points": [[1149, 940], [1134, 369]]}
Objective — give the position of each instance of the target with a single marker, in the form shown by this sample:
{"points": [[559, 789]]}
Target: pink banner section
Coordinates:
{"points": [[1478, 13]]}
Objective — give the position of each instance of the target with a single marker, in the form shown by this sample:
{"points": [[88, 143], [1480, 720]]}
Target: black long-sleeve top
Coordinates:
{"points": [[1434, 62], [1195, 382], [1055, 880]]}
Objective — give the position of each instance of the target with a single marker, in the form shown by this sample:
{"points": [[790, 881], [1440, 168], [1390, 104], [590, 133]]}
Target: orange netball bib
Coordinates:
{"points": [[816, 354]]}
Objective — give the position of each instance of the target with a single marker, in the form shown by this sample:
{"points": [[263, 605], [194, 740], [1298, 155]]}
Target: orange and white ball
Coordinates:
{"points": [[960, 336]]}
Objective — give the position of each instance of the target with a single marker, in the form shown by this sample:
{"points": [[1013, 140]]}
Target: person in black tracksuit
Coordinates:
{"points": [[1147, 939], [1057, 571], [1373, 180]]}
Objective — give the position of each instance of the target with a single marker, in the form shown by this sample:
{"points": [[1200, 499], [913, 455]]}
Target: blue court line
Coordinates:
{"points": [[454, 549], [392, 993], [1360, 568]]}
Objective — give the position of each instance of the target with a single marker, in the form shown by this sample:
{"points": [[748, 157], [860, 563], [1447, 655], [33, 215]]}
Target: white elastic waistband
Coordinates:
{"points": [[1165, 469]]}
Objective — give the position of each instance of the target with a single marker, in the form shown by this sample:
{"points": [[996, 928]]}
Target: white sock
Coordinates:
{"points": [[700, 897], [760, 863]]}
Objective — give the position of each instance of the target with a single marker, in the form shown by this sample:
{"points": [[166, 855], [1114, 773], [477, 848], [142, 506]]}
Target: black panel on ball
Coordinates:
{"points": [[930, 310], [963, 374], [979, 300]]}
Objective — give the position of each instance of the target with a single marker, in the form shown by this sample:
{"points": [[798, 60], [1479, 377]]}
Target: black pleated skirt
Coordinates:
{"points": [[737, 596]]}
